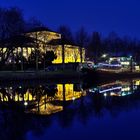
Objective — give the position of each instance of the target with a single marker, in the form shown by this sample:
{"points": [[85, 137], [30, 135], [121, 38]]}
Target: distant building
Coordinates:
{"points": [[119, 63], [123, 61]]}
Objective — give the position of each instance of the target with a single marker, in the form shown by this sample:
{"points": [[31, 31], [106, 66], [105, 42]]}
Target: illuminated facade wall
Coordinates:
{"points": [[70, 94], [67, 89], [44, 36], [72, 53]]}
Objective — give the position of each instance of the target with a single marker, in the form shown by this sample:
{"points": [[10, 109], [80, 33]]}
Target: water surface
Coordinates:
{"points": [[70, 110]]}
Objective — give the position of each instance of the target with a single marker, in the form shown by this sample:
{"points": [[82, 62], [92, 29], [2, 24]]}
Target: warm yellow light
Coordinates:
{"points": [[70, 94], [137, 82], [126, 89], [125, 63]]}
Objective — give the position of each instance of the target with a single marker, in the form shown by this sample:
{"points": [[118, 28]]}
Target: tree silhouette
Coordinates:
{"points": [[11, 22], [49, 56], [66, 33], [81, 39], [94, 46]]}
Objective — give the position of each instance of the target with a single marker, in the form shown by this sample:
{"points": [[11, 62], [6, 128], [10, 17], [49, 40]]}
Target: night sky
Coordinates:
{"points": [[121, 16]]}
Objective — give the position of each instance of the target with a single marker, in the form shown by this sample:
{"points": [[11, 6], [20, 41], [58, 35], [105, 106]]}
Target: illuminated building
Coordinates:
{"points": [[123, 61], [41, 40], [49, 40], [119, 63]]}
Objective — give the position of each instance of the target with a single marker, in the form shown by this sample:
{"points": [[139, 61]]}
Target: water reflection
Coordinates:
{"points": [[117, 88], [42, 99], [52, 98], [63, 103]]}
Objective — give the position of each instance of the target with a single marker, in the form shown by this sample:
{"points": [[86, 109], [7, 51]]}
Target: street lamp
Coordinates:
{"points": [[104, 55]]}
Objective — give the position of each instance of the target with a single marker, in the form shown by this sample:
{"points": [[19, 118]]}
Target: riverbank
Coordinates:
{"points": [[38, 75], [65, 74]]}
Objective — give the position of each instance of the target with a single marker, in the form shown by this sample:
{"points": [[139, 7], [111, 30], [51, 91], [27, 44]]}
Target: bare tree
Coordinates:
{"points": [[33, 23], [94, 47], [11, 22], [81, 39], [66, 33]]}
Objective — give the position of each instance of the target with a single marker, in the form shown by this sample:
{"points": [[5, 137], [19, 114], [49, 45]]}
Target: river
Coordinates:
{"points": [[70, 110]]}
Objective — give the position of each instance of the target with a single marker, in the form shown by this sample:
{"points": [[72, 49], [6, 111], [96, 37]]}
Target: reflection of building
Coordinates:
{"points": [[70, 93], [44, 104]]}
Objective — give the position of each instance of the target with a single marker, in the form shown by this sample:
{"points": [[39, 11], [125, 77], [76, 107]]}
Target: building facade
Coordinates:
{"points": [[40, 39], [45, 36]]}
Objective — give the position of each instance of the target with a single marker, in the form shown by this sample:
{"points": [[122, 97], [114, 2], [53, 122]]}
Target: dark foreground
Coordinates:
{"points": [[72, 110]]}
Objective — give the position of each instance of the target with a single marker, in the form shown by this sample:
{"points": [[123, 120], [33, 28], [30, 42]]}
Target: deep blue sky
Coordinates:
{"points": [[121, 16]]}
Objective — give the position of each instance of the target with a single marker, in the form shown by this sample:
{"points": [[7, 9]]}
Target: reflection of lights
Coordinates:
{"points": [[93, 90], [73, 98], [105, 94], [110, 89], [123, 94], [137, 68], [135, 87], [113, 94], [127, 93], [25, 103], [130, 93]]}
